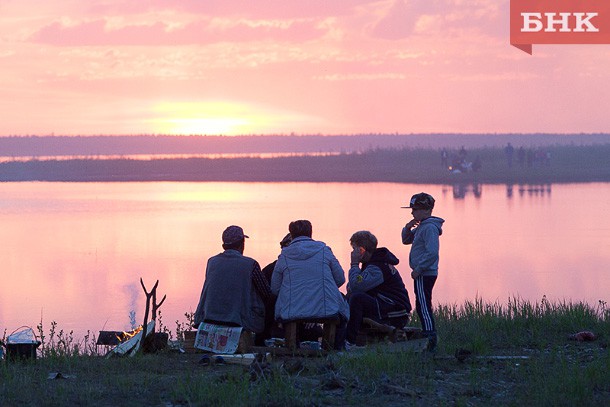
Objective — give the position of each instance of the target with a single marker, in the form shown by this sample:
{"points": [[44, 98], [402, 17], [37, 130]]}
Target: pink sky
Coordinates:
{"points": [[281, 66]]}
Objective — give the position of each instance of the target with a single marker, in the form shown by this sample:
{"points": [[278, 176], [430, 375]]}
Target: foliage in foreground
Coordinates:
{"points": [[521, 354]]}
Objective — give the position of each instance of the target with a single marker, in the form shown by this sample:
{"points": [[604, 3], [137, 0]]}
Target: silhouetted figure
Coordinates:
{"points": [[306, 280], [444, 158], [235, 290], [529, 156], [463, 153], [422, 233], [476, 165], [271, 327], [375, 289], [521, 156], [509, 152]]}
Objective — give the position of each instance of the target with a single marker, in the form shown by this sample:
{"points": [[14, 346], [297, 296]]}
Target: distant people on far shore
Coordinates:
{"points": [[444, 158], [509, 151], [521, 156], [477, 165]]}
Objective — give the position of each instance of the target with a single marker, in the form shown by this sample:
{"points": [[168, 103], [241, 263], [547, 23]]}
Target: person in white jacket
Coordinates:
{"points": [[306, 280]]}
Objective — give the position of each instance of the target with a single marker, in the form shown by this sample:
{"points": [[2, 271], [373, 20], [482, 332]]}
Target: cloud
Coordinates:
{"points": [[361, 77], [398, 22], [259, 9], [99, 32], [404, 18]]}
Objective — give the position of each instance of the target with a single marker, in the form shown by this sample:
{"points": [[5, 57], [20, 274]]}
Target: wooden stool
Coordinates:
{"points": [[328, 337], [246, 342]]}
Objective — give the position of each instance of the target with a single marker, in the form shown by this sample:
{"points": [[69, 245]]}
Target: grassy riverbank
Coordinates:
{"points": [[561, 164], [520, 355]]}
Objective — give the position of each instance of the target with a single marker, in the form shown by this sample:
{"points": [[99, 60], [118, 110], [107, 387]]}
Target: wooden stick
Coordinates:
{"points": [[151, 298]]}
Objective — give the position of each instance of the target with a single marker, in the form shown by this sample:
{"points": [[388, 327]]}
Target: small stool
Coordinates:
{"points": [[328, 337], [246, 342]]}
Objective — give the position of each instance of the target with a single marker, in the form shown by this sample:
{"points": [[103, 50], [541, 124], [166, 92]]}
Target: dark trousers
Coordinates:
{"points": [[362, 305], [423, 286], [340, 334]]}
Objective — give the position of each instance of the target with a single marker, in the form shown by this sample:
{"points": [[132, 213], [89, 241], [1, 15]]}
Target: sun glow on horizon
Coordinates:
{"points": [[228, 119], [210, 118]]}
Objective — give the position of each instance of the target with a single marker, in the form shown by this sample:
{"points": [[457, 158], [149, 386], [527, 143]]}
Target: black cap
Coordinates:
{"points": [[233, 234], [421, 201]]}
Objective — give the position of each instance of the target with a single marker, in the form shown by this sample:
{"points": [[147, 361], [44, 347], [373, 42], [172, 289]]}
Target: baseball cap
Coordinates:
{"points": [[421, 201], [233, 234]]}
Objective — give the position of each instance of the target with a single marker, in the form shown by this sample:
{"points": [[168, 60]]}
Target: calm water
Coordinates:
{"points": [[74, 252]]}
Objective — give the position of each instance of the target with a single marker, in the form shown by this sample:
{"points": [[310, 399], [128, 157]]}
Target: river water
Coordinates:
{"points": [[74, 253]]}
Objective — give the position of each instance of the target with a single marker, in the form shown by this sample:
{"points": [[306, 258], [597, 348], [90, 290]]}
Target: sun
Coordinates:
{"points": [[211, 126], [227, 118], [206, 118]]}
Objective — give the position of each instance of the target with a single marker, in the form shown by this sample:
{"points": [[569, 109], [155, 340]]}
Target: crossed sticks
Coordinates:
{"points": [[151, 297]]}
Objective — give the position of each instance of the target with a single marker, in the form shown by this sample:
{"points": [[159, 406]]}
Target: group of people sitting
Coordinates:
{"points": [[302, 285]]}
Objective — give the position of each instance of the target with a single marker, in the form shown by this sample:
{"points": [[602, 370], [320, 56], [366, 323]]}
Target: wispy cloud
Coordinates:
{"points": [[361, 77], [351, 65], [162, 33]]}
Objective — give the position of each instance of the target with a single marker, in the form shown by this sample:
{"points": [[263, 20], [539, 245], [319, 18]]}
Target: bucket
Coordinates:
{"points": [[21, 344]]}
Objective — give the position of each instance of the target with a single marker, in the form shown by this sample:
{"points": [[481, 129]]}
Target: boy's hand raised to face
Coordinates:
{"points": [[356, 255], [412, 223]]}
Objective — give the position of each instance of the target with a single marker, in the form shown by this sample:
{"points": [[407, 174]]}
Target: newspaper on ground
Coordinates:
{"points": [[217, 338]]}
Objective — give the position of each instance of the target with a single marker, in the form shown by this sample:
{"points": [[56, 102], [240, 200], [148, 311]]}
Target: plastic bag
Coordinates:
{"points": [[23, 335]]}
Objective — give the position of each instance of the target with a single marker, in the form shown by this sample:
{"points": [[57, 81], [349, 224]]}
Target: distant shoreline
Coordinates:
{"points": [[91, 146], [565, 164]]}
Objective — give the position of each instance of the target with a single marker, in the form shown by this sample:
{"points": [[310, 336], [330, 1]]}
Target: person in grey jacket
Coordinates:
{"points": [[422, 233], [306, 280], [235, 290]]}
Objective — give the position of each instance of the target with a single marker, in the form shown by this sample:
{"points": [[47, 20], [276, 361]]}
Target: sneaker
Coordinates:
{"points": [[432, 342]]}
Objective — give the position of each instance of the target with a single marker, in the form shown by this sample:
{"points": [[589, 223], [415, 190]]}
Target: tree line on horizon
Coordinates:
{"points": [[566, 163], [38, 146]]}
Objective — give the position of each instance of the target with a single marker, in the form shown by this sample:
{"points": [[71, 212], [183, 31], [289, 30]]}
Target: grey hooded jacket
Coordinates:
{"points": [[306, 280], [424, 241]]}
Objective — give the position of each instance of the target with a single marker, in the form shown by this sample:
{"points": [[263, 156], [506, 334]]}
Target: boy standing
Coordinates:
{"points": [[422, 233]]}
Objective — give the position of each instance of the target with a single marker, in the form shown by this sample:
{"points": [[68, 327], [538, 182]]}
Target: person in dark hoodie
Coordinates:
{"points": [[422, 233], [375, 290]]}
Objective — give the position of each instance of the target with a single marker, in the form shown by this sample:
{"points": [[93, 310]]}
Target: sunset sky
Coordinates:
{"points": [[70, 67]]}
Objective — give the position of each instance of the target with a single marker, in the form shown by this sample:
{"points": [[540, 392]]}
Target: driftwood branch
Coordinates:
{"points": [[149, 296], [156, 306], [151, 305]]}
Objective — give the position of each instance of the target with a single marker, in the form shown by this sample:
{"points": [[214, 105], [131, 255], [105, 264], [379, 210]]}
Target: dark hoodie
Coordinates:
{"points": [[392, 290]]}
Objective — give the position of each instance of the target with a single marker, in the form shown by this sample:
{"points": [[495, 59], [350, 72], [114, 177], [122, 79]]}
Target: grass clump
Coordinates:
{"points": [[519, 353], [485, 326]]}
